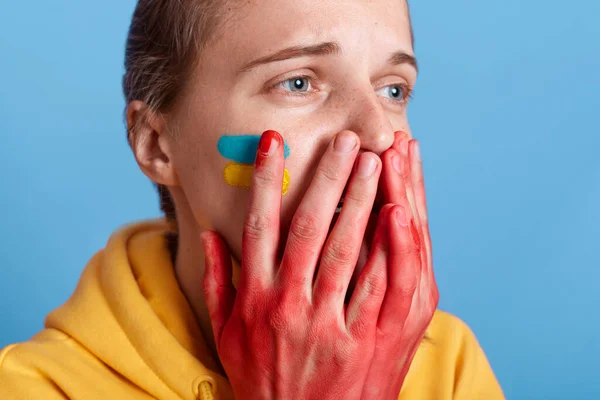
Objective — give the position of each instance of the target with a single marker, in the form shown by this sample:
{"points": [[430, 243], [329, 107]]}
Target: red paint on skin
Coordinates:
{"points": [[268, 140], [399, 335], [269, 345], [366, 305], [399, 339], [415, 234], [275, 341]]}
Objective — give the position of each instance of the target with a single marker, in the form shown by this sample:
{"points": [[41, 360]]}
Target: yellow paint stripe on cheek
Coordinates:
{"points": [[240, 175]]}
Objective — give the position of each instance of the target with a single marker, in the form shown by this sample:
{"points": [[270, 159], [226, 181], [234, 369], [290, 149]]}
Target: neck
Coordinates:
{"points": [[189, 271]]}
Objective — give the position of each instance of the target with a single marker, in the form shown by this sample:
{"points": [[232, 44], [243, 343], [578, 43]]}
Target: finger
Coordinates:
{"points": [[394, 185], [312, 219], [401, 145], [418, 182], [342, 248], [261, 226], [365, 304], [417, 179], [403, 271], [217, 285]]}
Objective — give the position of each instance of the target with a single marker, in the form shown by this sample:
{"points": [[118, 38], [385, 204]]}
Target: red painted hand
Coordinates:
{"points": [[279, 335], [405, 314]]}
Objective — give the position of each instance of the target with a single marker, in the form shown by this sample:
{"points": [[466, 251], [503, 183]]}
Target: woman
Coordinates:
{"points": [[295, 259]]}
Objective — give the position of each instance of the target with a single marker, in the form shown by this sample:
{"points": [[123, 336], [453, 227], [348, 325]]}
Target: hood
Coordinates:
{"points": [[129, 312]]}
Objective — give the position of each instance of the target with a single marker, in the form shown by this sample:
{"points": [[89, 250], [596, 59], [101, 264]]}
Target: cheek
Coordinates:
{"points": [[240, 152], [199, 169], [199, 177]]}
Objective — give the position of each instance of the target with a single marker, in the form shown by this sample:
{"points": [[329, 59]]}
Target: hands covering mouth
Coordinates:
{"points": [[286, 330]]}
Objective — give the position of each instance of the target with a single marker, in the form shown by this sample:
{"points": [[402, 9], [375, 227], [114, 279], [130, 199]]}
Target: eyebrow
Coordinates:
{"points": [[323, 49]]}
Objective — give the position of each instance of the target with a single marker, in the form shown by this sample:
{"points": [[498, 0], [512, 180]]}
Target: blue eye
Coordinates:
{"points": [[298, 84], [394, 92]]}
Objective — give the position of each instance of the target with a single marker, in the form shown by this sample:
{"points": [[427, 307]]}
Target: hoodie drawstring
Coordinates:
{"points": [[205, 391]]}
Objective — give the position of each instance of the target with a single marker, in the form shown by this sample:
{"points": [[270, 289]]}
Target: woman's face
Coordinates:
{"points": [[348, 65]]}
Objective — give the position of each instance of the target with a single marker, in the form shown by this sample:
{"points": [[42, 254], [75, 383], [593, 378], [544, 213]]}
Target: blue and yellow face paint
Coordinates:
{"points": [[241, 150]]}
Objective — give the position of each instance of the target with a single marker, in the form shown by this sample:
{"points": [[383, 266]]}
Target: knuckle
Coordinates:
{"points": [[305, 226], [287, 313], [330, 172], [330, 284], [406, 287], [278, 320], [292, 296], [339, 252], [266, 177], [345, 354], [296, 284], [257, 224], [359, 197], [374, 286], [361, 328]]}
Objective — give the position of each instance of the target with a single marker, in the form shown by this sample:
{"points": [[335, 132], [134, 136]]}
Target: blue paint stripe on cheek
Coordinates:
{"points": [[242, 149]]}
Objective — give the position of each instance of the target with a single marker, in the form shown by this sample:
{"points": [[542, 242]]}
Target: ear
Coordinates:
{"points": [[151, 144]]}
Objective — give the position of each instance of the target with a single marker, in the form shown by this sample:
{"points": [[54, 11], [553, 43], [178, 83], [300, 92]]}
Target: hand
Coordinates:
{"points": [[412, 295], [280, 335]]}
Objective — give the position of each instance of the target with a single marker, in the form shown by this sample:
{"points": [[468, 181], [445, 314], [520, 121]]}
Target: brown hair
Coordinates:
{"points": [[165, 41]]}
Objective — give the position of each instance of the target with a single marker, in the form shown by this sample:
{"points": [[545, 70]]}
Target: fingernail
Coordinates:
{"points": [[417, 150], [366, 166], [344, 142], [269, 142], [397, 164], [401, 216]]}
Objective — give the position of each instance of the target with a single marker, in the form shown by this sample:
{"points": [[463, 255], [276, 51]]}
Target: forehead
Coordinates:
{"points": [[358, 25]]}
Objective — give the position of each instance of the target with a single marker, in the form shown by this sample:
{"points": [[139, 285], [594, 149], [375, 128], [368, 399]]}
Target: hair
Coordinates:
{"points": [[165, 42]]}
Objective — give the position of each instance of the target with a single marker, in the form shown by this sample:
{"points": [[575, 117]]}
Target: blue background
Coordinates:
{"points": [[506, 108]]}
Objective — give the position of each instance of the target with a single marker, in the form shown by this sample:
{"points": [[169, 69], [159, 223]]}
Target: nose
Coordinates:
{"points": [[369, 121]]}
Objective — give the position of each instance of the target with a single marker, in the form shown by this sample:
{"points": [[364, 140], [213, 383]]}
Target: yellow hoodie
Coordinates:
{"points": [[128, 332]]}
